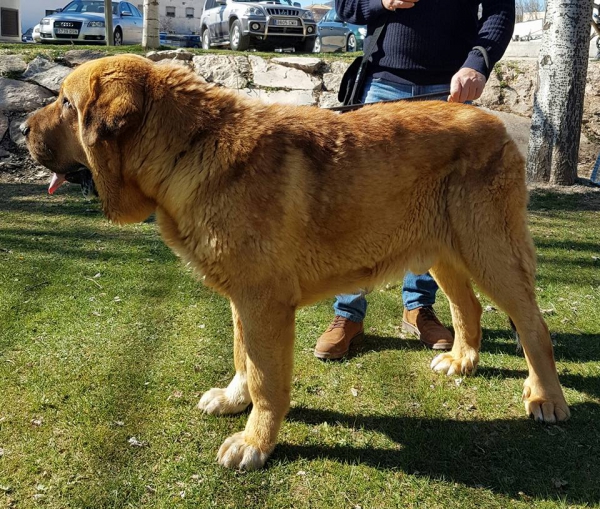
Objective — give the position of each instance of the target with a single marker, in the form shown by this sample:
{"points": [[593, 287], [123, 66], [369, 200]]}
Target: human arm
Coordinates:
{"points": [[363, 12], [497, 25]]}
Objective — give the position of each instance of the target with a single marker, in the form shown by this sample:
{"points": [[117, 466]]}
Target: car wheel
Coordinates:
{"points": [[118, 38], [307, 46], [237, 40], [206, 39], [317, 46], [351, 43]]}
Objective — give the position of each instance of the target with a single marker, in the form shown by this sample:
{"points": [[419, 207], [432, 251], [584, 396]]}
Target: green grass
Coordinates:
{"points": [[89, 361], [52, 51]]}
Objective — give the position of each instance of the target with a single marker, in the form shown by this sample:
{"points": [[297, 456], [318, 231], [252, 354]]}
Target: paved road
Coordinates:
{"points": [[529, 50]]}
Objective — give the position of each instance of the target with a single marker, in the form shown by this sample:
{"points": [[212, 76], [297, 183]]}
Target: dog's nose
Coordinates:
{"points": [[24, 128]]}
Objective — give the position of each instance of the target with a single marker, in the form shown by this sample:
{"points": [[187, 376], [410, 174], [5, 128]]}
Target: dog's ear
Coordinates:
{"points": [[110, 110]]}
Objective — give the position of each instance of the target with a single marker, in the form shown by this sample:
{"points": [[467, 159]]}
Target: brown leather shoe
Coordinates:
{"points": [[336, 340], [430, 331]]}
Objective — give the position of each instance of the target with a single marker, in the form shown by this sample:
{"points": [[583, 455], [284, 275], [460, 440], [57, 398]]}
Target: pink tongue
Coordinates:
{"points": [[57, 181]]}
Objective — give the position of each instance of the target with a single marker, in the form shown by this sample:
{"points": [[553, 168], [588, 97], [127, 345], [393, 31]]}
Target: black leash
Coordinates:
{"points": [[422, 97]]}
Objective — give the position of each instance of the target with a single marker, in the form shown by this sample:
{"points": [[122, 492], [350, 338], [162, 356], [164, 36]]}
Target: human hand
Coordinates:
{"points": [[392, 5], [466, 85]]}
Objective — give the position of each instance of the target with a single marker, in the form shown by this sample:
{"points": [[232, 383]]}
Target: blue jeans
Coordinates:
{"points": [[418, 290]]}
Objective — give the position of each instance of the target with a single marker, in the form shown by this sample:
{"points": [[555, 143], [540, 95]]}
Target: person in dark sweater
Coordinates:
{"points": [[426, 47]]}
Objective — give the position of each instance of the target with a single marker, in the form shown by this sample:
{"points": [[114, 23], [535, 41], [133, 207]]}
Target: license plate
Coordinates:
{"points": [[286, 22], [69, 31]]}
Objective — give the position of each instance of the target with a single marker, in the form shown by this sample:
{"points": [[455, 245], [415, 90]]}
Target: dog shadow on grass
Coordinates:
{"points": [[567, 348], [578, 347], [514, 457]]}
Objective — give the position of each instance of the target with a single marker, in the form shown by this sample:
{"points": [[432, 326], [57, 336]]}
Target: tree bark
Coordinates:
{"points": [[558, 102], [151, 39], [108, 23]]}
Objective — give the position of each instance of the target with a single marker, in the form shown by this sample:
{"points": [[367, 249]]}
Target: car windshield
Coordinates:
{"points": [[95, 6]]}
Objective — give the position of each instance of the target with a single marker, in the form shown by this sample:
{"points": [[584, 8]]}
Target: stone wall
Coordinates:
{"points": [[26, 86]]}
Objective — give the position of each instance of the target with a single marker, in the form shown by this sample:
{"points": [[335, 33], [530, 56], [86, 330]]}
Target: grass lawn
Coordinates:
{"points": [[52, 51], [107, 343]]}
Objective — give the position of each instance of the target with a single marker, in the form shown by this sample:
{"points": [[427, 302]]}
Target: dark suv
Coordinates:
{"points": [[242, 24]]}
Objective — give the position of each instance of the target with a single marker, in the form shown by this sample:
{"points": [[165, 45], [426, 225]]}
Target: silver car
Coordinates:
{"points": [[254, 23], [82, 21]]}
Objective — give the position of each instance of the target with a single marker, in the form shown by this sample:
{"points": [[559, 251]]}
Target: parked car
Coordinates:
{"points": [[333, 34], [28, 35], [181, 40], [82, 21], [243, 24], [36, 33]]}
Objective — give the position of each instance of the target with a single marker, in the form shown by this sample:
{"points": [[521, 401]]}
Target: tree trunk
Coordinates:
{"points": [[108, 23], [558, 102], [151, 39]]}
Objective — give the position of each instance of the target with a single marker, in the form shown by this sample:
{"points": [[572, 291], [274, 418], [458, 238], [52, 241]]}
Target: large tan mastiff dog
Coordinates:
{"points": [[279, 206]]}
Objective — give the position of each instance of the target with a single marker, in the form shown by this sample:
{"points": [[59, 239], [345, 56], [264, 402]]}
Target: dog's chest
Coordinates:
{"points": [[197, 247]]}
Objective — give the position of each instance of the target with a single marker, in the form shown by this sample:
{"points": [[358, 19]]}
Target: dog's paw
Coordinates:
{"points": [[237, 453], [217, 402], [453, 364], [545, 408]]}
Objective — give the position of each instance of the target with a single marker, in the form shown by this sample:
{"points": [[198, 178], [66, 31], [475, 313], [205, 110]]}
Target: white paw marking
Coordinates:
{"points": [[237, 453], [232, 400], [455, 365]]}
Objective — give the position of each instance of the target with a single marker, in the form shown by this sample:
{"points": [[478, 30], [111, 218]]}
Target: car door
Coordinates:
{"points": [[138, 20], [338, 32], [326, 31], [222, 20], [124, 16], [210, 18]]}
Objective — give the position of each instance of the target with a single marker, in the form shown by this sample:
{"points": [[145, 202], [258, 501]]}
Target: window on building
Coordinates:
{"points": [[170, 12], [9, 22], [189, 12]]}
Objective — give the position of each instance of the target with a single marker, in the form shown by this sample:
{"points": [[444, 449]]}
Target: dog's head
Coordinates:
{"points": [[96, 122]]}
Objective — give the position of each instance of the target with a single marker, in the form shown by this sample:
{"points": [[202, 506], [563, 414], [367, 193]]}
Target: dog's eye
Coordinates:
{"points": [[66, 103]]}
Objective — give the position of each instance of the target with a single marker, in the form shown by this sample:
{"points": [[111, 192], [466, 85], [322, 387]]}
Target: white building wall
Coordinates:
{"points": [[32, 11], [16, 5], [180, 23]]}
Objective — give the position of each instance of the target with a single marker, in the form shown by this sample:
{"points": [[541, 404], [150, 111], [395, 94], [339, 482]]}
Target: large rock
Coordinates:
{"points": [[170, 54], [230, 71], [38, 65], [3, 125], [294, 97], [332, 77], [268, 75], [15, 132], [81, 56], [306, 64], [329, 100], [47, 74], [511, 87], [19, 96], [11, 64]]}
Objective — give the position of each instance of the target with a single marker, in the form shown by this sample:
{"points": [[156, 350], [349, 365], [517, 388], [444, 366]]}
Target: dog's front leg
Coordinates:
{"points": [[268, 326], [235, 397]]}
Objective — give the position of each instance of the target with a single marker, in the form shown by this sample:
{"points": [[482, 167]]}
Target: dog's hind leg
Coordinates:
{"points": [[466, 319], [235, 397], [268, 325], [504, 268]]}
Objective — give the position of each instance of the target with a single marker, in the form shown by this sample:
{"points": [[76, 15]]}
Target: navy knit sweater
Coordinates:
{"points": [[428, 43]]}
